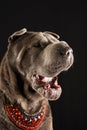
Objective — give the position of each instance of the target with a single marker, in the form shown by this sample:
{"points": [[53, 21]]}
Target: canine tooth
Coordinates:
{"points": [[37, 76], [56, 83], [48, 86]]}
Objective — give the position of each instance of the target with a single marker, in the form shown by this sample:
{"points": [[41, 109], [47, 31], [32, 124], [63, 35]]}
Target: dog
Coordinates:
{"points": [[29, 79]]}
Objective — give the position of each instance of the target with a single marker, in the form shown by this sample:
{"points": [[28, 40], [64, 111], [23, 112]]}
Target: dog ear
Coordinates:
{"points": [[16, 35], [53, 34]]}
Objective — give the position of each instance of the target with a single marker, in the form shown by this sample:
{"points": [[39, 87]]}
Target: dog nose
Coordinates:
{"points": [[65, 51], [69, 51]]}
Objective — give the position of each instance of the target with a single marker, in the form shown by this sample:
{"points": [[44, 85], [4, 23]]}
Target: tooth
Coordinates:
{"points": [[41, 114], [37, 76], [56, 83], [48, 86]]}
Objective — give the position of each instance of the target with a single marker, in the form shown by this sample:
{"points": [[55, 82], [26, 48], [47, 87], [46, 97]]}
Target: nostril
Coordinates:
{"points": [[65, 51], [69, 51]]}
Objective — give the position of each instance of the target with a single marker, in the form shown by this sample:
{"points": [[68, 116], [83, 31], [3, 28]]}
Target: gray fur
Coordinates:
{"points": [[31, 53]]}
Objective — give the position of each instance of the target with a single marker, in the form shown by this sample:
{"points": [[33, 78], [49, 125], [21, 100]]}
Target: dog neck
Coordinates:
{"points": [[18, 89], [24, 113], [24, 120]]}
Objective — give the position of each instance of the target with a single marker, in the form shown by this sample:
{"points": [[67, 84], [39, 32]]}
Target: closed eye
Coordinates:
{"points": [[41, 44], [37, 45]]}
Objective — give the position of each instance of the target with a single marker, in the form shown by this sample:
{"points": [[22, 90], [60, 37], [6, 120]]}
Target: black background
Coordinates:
{"points": [[69, 20]]}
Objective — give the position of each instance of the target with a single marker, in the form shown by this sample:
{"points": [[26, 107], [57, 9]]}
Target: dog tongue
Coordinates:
{"points": [[52, 82], [48, 82]]}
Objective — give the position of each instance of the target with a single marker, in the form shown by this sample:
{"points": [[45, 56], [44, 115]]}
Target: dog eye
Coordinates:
{"points": [[42, 45], [37, 45]]}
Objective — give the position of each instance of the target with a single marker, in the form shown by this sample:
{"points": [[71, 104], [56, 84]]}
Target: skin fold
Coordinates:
{"points": [[29, 71]]}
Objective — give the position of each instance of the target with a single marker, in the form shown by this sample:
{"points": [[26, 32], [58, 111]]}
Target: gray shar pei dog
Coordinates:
{"points": [[29, 78]]}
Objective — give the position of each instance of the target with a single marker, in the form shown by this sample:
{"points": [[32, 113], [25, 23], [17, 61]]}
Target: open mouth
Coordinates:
{"points": [[49, 86]]}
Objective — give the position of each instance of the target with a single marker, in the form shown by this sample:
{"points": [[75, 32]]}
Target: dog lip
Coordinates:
{"points": [[49, 86], [48, 82], [53, 94]]}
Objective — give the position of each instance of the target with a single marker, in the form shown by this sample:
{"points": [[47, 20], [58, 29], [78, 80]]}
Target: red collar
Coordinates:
{"points": [[23, 121]]}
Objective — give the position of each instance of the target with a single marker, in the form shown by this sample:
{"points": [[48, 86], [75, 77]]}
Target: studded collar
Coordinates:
{"points": [[25, 121]]}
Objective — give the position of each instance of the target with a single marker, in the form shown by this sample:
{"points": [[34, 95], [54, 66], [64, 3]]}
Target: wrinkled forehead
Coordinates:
{"points": [[37, 37], [44, 37], [29, 38]]}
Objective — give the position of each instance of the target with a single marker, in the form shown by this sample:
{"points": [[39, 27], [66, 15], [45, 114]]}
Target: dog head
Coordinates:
{"points": [[40, 57]]}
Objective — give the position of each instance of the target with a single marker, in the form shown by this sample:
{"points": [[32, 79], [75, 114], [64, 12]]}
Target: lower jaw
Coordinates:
{"points": [[49, 94], [52, 94], [47, 87]]}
